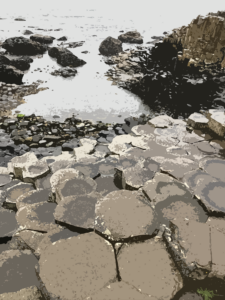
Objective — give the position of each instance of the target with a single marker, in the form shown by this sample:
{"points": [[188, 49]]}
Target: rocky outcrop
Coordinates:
{"points": [[22, 63], [65, 72], [43, 39], [23, 46], [203, 40], [10, 74], [132, 37], [65, 57], [110, 46]]}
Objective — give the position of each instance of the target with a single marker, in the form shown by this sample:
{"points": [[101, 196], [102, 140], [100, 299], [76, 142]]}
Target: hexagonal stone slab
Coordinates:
{"points": [[177, 151], [176, 167], [86, 148], [146, 130], [77, 211], [62, 175], [135, 177], [14, 192], [10, 184], [19, 162], [52, 236], [193, 152], [8, 223], [20, 269], [171, 198], [88, 260], [31, 238], [32, 197], [211, 193], [214, 167], [190, 138], [4, 170], [136, 263], [43, 183], [197, 121], [217, 223], [71, 182], [34, 171], [28, 293], [124, 214], [162, 121], [166, 141], [56, 163], [101, 151], [206, 148], [5, 179], [37, 216], [105, 185], [119, 143], [191, 178], [119, 290], [190, 247]]}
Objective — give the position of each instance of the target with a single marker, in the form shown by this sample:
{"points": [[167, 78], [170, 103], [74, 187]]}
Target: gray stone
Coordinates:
{"points": [[8, 223], [14, 192], [77, 211], [198, 121], [20, 269], [124, 214], [110, 46], [32, 197], [133, 37], [214, 167], [37, 216], [43, 39], [91, 268], [4, 179], [28, 293], [136, 263], [170, 198]]}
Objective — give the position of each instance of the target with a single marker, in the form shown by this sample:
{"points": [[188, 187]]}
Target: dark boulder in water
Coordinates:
{"points": [[65, 57], [23, 46]]}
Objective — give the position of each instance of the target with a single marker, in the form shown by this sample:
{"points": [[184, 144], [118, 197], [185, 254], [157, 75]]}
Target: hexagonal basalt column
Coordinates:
{"points": [[171, 198], [122, 215], [136, 264], [77, 267], [36, 170], [21, 162], [71, 182]]}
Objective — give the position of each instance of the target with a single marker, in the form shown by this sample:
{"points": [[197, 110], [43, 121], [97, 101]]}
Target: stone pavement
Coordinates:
{"points": [[131, 220]]}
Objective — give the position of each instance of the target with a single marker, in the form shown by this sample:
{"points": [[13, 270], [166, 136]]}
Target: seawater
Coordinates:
{"points": [[89, 94]]}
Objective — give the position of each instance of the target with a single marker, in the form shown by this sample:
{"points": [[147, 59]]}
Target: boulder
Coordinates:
{"points": [[43, 39], [136, 263], [21, 162], [63, 38], [27, 32], [23, 46], [10, 74], [124, 215], [110, 46], [65, 57], [87, 260], [133, 37]]}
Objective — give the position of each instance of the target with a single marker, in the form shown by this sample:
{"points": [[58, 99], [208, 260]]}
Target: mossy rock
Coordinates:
{"points": [[20, 116]]}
